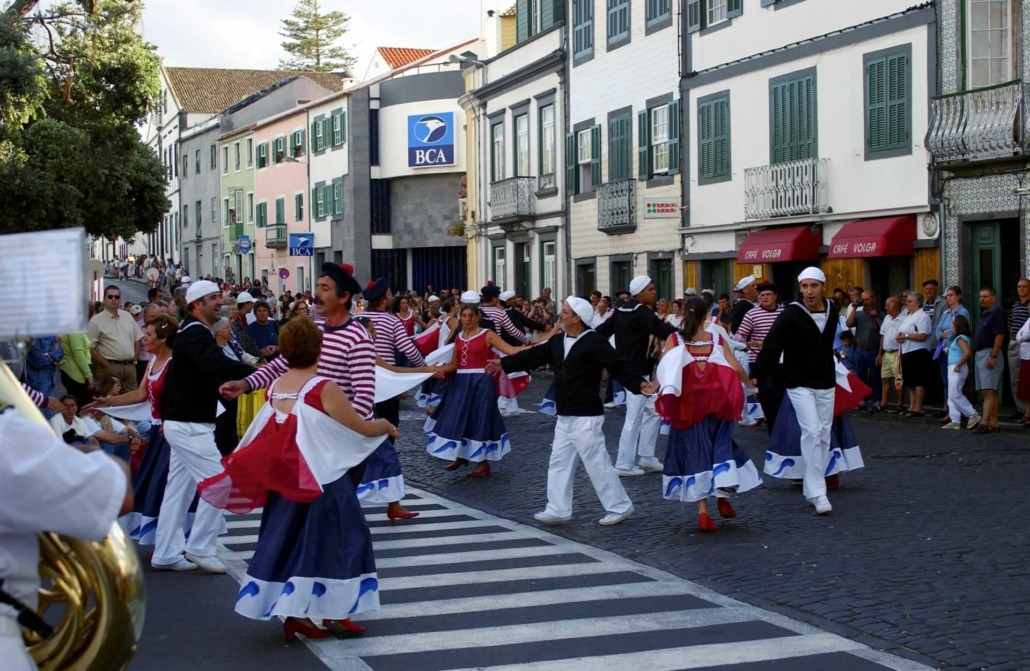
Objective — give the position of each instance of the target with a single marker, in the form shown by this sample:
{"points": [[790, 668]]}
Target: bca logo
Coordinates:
{"points": [[431, 140], [430, 129]]}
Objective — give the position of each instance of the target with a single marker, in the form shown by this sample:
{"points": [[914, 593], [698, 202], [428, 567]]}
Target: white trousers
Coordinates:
{"points": [[1012, 354], [958, 404], [12, 650], [581, 438], [814, 408], [194, 456], [639, 433], [508, 404]]}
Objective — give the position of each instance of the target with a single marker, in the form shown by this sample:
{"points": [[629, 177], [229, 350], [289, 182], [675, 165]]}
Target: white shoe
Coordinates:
{"points": [[209, 564], [615, 518], [651, 465], [609, 405], [952, 425], [822, 505], [973, 422], [547, 518], [182, 564], [628, 473]]}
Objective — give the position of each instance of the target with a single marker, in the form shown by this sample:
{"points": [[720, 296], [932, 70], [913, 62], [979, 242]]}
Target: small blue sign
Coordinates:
{"points": [[431, 140], [245, 245], [302, 244]]}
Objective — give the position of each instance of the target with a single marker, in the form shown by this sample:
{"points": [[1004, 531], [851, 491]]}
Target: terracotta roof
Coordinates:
{"points": [[511, 11], [396, 57], [212, 90]]}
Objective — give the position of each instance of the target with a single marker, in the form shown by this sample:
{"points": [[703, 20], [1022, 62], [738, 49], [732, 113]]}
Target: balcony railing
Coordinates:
{"points": [[276, 236], [979, 125], [513, 198], [617, 207], [236, 231], [787, 189]]}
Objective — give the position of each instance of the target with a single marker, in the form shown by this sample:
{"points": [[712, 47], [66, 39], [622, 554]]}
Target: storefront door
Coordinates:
{"points": [[985, 262]]}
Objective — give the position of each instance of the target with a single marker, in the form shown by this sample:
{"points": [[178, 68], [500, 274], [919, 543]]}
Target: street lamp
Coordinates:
{"points": [[307, 190]]}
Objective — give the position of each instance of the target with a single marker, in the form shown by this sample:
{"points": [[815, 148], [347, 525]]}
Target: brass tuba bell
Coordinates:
{"points": [[94, 590]]}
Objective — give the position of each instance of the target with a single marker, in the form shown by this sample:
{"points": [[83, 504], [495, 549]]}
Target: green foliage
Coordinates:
{"points": [[312, 37], [75, 83]]}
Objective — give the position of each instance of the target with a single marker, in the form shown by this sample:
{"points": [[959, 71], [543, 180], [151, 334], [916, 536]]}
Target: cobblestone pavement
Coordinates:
{"points": [[924, 555]]}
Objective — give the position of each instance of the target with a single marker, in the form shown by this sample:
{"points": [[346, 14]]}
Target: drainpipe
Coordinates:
{"points": [[563, 92]]}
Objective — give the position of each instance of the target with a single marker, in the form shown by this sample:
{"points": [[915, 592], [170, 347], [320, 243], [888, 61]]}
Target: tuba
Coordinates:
{"points": [[94, 591]]}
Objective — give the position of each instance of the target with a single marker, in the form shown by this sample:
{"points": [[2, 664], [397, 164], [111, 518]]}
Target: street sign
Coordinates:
{"points": [[245, 244], [284, 273], [302, 244]]}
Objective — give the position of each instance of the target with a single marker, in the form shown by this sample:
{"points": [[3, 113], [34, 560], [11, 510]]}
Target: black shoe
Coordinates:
{"points": [[1016, 416]]}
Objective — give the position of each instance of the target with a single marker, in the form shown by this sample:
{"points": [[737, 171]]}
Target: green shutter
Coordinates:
{"points": [[314, 135], [644, 145], [301, 141], [551, 12], [327, 131], [876, 104], [694, 9], [614, 168], [898, 104], [721, 137], [806, 118], [337, 197], [523, 20], [313, 206], [571, 167], [792, 108], [734, 8], [343, 126], [704, 140], [620, 148], [298, 207], [327, 200], [674, 137], [779, 136], [766, 3], [595, 156], [280, 210]]}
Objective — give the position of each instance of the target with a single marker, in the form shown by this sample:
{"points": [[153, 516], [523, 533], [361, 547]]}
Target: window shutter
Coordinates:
{"points": [[314, 137], [314, 203], [734, 8], [280, 211], [614, 155], [595, 156], [806, 116], [523, 20], [644, 145], [778, 139], [301, 141], [571, 166], [551, 12], [337, 197], [897, 100], [721, 137], [876, 105], [327, 131], [766, 3], [694, 9], [298, 207], [674, 137], [704, 143], [343, 126], [327, 199]]}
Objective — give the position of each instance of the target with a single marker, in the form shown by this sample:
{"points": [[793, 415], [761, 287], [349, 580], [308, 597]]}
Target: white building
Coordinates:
{"points": [[622, 150], [805, 125]]}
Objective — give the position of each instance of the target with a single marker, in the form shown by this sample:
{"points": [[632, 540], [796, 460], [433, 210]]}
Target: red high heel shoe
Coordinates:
{"points": [[480, 472], [726, 508], [293, 626], [456, 464], [833, 482], [392, 515], [346, 625], [705, 523]]}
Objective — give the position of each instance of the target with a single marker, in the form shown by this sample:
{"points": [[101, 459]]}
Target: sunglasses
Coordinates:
{"points": [[113, 297]]}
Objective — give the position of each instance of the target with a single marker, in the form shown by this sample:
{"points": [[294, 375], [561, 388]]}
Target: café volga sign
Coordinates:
{"points": [[430, 140]]}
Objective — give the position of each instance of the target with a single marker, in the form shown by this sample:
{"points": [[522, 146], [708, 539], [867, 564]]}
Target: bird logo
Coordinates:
{"points": [[430, 129]]}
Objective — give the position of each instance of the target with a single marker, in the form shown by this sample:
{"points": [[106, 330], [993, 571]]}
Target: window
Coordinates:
{"points": [[658, 141], [198, 207], [214, 157], [582, 28], [547, 157], [278, 149], [280, 210], [549, 264], [618, 21], [713, 131], [703, 14], [230, 215], [185, 166], [499, 275], [338, 134], [583, 142], [185, 216], [196, 162], [990, 43], [297, 143], [497, 152], [298, 207], [262, 215], [620, 148], [319, 201], [888, 106], [583, 160], [214, 210], [237, 204], [792, 116], [318, 134], [262, 155], [236, 157], [225, 160], [337, 197], [658, 10], [250, 207], [716, 11], [250, 152], [522, 145]]}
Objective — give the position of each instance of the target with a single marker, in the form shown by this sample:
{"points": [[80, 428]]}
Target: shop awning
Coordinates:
{"points": [[890, 236], [774, 245]]}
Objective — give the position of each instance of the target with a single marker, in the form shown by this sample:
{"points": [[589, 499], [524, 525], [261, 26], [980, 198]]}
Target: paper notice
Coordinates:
{"points": [[44, 280]]}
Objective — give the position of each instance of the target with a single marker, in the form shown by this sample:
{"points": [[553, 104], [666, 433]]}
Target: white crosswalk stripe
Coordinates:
{"points": [[509, 596]]}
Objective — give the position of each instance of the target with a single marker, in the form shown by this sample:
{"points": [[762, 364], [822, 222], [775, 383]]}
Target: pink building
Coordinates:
{"points": [[281, 202]]}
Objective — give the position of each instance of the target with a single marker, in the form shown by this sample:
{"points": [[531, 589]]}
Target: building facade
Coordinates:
{"points": [[236, 207], [200, 185], [622, 145], [804, 125]]}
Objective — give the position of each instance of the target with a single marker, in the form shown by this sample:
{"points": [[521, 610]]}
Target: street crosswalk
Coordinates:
{"points": [[462, 590]]}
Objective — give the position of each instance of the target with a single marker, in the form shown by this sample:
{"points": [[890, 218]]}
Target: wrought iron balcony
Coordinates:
{"points": [[787, 189], [276, 236], [979, 125], [512, 199], [236, 231], [617, 207]]}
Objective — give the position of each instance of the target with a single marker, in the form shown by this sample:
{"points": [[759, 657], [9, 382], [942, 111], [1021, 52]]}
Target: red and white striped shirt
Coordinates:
{"points": [[348, 359], [503, 322], [391, 335], [755, 326]]}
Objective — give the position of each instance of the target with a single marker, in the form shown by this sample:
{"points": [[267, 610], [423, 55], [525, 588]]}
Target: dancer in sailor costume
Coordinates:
{"points": [[578, 358], [348, 358], [313, 563], [753, 329], [508, 388], [445, 324], [803, 336], [467, 426], [701, 396], [148, 483]]}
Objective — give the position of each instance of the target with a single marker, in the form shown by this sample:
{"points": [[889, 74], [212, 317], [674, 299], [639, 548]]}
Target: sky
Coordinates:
{"points": [[244, 33]]}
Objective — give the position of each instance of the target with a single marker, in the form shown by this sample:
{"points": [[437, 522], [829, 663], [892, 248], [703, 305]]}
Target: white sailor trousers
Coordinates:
{"points": [[194, 456], [581, 438], [814, 409], [639, 433]]}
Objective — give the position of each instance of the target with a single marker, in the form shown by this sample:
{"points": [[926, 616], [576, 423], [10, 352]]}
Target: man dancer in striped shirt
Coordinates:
{"points": [[492, 308], [348, 359], [754, 327]]}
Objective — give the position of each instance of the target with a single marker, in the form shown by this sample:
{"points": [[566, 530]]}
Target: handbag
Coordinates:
{"points": [[937, 352]]}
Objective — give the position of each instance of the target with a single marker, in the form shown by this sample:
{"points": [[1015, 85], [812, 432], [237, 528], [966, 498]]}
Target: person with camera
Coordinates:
{"points": [[70, 426]]}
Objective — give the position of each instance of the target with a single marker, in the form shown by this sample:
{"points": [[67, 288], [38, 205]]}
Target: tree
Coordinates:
{"points": [[76, 81], [312, 38]]}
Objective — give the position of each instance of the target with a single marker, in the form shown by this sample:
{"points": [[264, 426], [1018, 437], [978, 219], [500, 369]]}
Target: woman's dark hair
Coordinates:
{"points": [[165, 328], [694, 312], [396, 307], [448, 304], [470, 306], [957, 290], [960, 325]]}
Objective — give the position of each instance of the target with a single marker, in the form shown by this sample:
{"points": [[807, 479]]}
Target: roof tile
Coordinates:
{"points": [[212, 90], [396, 57]]}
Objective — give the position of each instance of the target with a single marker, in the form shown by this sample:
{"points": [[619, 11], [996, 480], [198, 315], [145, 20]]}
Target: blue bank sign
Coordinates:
{"points": [[431, 140]]}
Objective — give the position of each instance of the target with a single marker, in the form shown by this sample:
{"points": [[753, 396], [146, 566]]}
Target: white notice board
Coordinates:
{"points": [[43, 282]]}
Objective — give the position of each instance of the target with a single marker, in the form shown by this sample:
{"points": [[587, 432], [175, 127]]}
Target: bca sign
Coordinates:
{"points": [[431, 140]]}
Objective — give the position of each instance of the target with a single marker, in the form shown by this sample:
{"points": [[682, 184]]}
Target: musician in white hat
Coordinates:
{"points": [[578, 357], [803, 336], [633, 324]]}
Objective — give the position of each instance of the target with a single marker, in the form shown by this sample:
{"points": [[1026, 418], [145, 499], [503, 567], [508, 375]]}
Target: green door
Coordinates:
{"points": [[661, 273], [985, 263]]}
